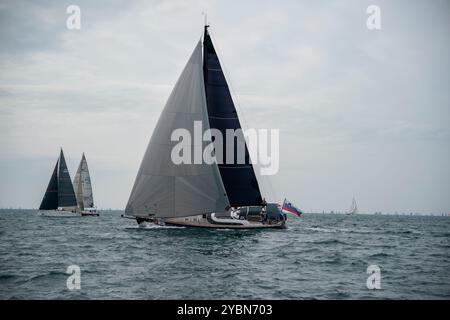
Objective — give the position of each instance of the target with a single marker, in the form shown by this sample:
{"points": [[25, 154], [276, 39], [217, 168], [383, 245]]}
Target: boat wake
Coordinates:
{"points": [[152, 226], [318, 229], [232, 230]]}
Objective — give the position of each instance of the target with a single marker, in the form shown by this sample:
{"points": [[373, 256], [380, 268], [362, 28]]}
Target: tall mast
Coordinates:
{"points": [[205, 14]]}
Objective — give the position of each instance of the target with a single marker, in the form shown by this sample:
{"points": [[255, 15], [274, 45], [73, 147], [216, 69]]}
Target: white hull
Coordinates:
{"points": [[58, 213], [89, 212]]}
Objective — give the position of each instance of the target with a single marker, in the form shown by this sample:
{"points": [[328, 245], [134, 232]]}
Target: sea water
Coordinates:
{"points": [[319, 256]]}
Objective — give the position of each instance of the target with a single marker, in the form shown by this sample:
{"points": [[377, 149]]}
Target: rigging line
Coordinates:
{"points": [[205, 14]]}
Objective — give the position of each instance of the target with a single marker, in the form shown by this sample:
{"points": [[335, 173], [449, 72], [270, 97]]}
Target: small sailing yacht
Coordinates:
{"points": [[59, 198], [206, 195], [353, 209], [83, 190]]}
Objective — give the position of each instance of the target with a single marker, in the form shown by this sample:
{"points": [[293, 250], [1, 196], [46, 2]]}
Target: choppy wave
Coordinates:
{"points": [[317, 257], [46, 275], [6, 276]]}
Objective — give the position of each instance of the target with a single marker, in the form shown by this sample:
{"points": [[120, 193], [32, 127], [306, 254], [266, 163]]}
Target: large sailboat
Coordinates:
{"points": [[207, 195], [83, 190], [59, 198]]}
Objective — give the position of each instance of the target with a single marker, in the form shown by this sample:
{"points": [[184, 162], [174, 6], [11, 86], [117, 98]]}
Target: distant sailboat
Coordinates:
{"points": [[353, 209], [83, 190], [59, 199], [216, 195]]}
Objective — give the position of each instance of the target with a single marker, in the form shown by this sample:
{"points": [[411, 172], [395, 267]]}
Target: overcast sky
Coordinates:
{"points": [[361, 113]]}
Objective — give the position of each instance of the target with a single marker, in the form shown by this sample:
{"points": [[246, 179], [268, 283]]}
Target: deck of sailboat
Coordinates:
{"points": [[58, 213]]}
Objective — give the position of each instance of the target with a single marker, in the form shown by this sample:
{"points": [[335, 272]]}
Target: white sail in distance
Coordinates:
{"points": [[82, 186], [353, 208]]}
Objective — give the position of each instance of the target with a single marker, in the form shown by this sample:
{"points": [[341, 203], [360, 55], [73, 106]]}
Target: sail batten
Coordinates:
{"points": [[240, 183]]}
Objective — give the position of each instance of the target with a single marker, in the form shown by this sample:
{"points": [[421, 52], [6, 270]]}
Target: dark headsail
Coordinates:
{"points": [[239, 180], [50, 200], [60, 191]]}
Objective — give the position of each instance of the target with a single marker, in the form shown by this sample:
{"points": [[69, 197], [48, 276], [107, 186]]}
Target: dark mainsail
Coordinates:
{"points": [[50, 200], [239, 180], [66, 194], [60, 191]]}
